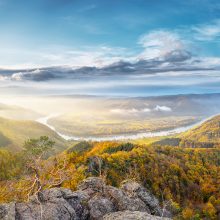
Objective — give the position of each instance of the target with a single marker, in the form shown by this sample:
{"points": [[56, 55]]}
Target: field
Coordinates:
{"points": [[96, 125]]}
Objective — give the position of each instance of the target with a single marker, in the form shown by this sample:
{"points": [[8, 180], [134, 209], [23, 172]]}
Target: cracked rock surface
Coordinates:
{"points": [[94, 200]]}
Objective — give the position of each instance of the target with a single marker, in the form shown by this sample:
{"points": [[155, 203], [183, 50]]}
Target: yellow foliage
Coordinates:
{"points": [[187, 213], [209, 211]]}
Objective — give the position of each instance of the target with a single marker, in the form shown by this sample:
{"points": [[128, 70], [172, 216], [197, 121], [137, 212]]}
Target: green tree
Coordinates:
{"points": [[35, 151], [38, 148]]}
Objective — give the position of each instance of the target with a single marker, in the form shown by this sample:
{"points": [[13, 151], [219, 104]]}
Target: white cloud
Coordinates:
{"points": [[158, 108], [146, 110], [207, 32], [162, 108], [17, 76], [21, 75], [89, 57], [124, 111], [56, 55], [130, 111], [161, 49], [3, 78], [159, 43]]}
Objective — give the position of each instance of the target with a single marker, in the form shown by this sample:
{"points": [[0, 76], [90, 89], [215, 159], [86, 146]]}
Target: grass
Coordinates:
{"points": [[101, 125]]}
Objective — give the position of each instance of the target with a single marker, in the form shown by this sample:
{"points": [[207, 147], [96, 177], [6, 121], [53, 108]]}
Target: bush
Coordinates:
{"points": [[121, 147]]}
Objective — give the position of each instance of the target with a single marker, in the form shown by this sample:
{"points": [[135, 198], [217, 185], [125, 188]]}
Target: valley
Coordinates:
{"points": [[110, 110], [172, 153], [185, 176], [90, 117]]}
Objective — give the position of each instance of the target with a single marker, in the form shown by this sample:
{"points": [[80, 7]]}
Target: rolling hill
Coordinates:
{"points": [[17, 112], [205, 135], [209, 131], [13, 134]]}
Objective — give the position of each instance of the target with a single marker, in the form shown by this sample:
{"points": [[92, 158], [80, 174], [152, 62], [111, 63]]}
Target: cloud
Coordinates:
{"points": [[160, 43], [34, 75], [162, 108], [178, 62], [207, 32], [58, 55], [163, 52], [177, 56], [146, 110], [130, 111], [158, 108]]}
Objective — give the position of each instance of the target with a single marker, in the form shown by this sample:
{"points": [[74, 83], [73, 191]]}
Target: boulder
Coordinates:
{"points": [[7, 211], [45, 211], [94, 200], [56, 203], [92, 185], [135, 189], [99, 206], [124, 202]]}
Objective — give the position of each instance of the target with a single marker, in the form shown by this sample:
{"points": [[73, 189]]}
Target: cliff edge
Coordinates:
{"points": [[94, 200]]}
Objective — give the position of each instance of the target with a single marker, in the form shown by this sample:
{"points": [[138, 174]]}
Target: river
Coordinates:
{"points": [[44, 121]]}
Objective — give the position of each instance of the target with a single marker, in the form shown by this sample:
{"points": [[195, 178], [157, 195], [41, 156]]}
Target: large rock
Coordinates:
{"points": [[100, 206], [92, 186], [134, 189], [56, 204], [7, 211], [131, 215], [124, 202], [50, 210], [93, 201]]}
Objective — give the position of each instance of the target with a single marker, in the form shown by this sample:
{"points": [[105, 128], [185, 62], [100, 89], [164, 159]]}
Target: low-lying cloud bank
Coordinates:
{"points": [[157, 108], [175, 61], [161, 51]]}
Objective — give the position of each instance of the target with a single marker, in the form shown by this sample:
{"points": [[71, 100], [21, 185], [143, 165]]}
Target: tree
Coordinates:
{"points": [[38, 148], [209, 211], [187, 213], [35, 150]]}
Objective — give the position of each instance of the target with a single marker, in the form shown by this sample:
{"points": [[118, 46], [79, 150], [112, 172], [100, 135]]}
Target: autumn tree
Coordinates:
{"points": [[35, 150], [43, 173]]}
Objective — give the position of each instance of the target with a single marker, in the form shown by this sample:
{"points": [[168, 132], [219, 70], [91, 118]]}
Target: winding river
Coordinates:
{"points": [[44, 121]]}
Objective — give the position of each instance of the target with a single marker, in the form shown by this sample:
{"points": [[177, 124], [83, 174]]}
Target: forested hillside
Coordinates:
{"points": [[205, 135], [13, 134], [185, 179], [188, 179]]}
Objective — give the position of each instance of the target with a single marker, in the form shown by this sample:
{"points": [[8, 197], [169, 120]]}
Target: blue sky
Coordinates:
{"points": [[171, 37], [32, 32]]}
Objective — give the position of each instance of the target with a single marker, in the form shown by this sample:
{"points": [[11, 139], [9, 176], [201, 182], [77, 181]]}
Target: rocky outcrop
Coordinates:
{"points": [[94, 200], [134, 189], [7, 211]]}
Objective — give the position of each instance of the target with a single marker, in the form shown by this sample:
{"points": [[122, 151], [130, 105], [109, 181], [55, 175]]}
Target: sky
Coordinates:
{"points": [[110, 47]]}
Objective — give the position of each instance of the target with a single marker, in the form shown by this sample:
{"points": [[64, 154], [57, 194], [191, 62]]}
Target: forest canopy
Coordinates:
{"points": [[188, 178]]}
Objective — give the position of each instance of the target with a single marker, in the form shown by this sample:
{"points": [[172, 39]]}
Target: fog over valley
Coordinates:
{"points": [[108, 117]]}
